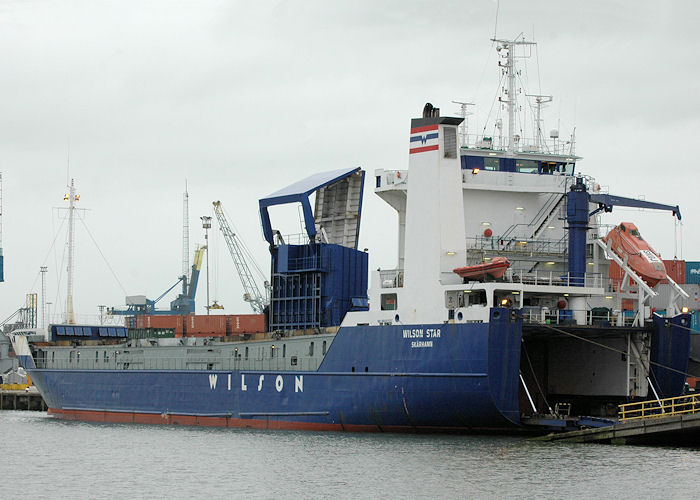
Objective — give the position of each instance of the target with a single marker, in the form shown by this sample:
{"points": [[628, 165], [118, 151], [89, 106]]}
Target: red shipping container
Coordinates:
{"points": [[204, 334], [628, 304], [245, 323], [160, 321], [204, 325], [675, 270]]}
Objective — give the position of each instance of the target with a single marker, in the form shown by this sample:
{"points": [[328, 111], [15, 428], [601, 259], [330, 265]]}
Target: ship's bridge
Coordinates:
{"points": [[486, 159]]}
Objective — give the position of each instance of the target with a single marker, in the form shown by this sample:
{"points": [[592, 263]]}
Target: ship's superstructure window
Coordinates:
{"points": [[450, 138], [526, 166], [105, 357], [284, 350], [97, 356], [492, 164], [53, 356], [70, 356], [323, 351], [567, 168], [475, 297], [246, 352], [311, 349], [388, 302]]}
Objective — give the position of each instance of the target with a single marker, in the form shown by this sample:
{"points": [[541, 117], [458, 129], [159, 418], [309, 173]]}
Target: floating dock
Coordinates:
{"points": [[669, 422]]}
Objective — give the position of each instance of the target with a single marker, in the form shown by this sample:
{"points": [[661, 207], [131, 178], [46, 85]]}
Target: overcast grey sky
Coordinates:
{"points": [[243, 98]]}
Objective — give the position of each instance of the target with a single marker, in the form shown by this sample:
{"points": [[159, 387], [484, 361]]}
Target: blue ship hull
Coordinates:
{"points": [[399, 377]]}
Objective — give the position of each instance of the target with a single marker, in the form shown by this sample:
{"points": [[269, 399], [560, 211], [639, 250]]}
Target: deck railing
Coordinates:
{"points": [[599, 317], [658, 408], [391, 278], [288, 363]]}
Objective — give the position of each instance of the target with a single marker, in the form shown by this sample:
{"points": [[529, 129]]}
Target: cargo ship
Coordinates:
{"points": [[544, 344]]}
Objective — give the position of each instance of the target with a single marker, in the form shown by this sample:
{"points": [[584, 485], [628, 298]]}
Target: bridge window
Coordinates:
{"points": [[548, 167], [526, 166], [567, 168], [492, 164]]}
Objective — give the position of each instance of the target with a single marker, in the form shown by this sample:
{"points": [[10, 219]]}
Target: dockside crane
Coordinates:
{"points": [[183, 304], [252, 294]]}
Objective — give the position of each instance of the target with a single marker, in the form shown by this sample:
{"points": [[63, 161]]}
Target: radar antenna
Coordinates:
{"points": [[509, 47]]}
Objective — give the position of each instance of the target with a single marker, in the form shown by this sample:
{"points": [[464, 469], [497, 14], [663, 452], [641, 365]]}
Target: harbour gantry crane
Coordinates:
{"points": [[257, 300]]}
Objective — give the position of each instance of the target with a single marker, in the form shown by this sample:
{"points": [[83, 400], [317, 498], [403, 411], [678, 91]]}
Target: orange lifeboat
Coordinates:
{"points": [[627, 242], [495, 269]]}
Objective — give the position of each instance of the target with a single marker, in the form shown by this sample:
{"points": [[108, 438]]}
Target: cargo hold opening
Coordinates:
{"points": [[585, 376]]}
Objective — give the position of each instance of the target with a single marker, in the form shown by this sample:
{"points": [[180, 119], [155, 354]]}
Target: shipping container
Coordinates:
{"points": [[205, 334], [675, 269], [629, 304], [203, 325], [692, 272], [151, 333], [161, 321], [245, 323]]}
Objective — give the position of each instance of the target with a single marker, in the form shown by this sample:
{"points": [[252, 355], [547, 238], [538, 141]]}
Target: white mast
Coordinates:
{"points": [[44, 324], [185, 232], [463, 128], [509, 67], [540, 101], [71, 198]]}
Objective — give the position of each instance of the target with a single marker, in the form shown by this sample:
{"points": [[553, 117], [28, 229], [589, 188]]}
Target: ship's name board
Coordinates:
{"points": [[258, 382], [420, 333]]}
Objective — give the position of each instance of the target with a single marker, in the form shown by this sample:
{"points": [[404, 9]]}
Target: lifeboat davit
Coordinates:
{"points": [[495, 269], [627, 242]]}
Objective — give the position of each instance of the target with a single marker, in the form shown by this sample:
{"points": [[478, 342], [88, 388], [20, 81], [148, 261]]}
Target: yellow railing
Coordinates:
{"points": [[14, 387], [659, 408]]}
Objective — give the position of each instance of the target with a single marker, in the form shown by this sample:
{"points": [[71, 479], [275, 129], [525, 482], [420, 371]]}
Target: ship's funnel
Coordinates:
{"points": [[435, 233]]}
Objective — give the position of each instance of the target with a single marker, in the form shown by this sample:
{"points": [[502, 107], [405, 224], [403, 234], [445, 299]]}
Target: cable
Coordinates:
{"points": [[534, 376], [624, 353], [103, 256], [495, 98]]}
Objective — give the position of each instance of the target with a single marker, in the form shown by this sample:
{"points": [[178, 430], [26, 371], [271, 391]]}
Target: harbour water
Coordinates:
{"points": [[49, 458]]}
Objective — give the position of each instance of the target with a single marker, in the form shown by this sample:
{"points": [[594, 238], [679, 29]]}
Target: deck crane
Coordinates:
{"points": [[258, 301]]}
